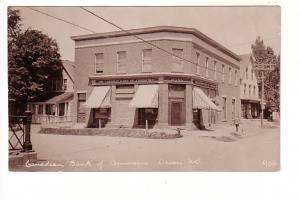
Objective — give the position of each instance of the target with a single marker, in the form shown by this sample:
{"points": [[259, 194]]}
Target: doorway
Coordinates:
{"points": [[176, 114]]}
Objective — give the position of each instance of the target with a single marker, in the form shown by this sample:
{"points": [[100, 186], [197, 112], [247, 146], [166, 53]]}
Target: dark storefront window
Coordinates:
{"points": [[149, 114], [81, 108], [176, 105]]}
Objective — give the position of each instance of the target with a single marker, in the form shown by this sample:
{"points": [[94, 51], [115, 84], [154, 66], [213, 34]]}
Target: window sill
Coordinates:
{"points": [[121, 73], [177, 72], [146, 72], [98, 74]]}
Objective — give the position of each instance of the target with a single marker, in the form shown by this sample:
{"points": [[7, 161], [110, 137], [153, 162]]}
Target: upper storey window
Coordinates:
{"points": [[147, 60], [121, 61], [215, 70], [223, 73], [236, 77], [229, 79], [206, 66], [246, 73], [198, 63], [99, 63], [177, 61]]}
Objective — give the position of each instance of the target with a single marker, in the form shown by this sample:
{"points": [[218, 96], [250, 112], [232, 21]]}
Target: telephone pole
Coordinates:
{"points": [[262, 68]]}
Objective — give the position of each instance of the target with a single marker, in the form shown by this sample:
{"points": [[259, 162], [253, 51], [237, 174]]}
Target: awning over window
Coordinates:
{"points": [[99, 98], [146, 96], [201, 101]]}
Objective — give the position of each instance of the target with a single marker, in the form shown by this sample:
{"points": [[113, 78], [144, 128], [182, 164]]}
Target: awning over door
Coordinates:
{"points": [[99, 98], [146, 96], [201, 101]]}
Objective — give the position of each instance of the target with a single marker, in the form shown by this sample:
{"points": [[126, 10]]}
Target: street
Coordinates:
{"points": [[255, 149]]}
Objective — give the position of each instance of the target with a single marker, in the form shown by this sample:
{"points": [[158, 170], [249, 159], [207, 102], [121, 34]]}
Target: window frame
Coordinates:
{"points": [[223, 73], [118, 62], [230, 77], [95, 63], [149, 61], [198, 68], [215, 70], [236, 77], [206, 66], [177, 60]]}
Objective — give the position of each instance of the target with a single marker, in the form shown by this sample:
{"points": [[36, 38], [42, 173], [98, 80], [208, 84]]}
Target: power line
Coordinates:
{"points": [[134, 35], [83, 28]]}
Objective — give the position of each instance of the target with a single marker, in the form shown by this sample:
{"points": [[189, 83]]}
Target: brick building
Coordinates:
{"points": [[121, 81]]}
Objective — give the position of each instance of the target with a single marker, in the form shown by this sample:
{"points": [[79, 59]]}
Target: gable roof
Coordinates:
{"points": [[69, 68], [244, 63], [156, 29]]}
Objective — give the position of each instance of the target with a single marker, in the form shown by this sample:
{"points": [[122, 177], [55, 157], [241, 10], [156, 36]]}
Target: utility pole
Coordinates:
{"points": [[262, 68], [262, 100]]}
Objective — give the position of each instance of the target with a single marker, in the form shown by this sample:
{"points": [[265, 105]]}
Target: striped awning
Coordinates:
{"points": [[201, 101], [99, 97], [146, 96]]}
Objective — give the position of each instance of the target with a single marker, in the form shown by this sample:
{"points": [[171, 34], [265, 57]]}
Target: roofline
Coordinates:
{"points": [[67, 70], [156, 29]]}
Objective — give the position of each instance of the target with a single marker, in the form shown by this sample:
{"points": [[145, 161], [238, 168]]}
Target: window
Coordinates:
{"points": [[82, 96], [254, 88], [81, 107], [206, 66], [224, 108], [245, 89], [229, 79], [65, 84], [99, 63], [124, 91], [198, 63], [252, 74], [249, 90], [121, 65], [177, 62], [147, 60], [61, 109], [40, 111], [246, 73], [233, 109], [50, 109], [215, 70], [236, 77], [223, 73]]}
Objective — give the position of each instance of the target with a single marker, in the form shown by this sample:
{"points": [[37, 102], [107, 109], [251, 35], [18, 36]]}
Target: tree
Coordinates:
{"points": [[262, 54], [33, 60]]}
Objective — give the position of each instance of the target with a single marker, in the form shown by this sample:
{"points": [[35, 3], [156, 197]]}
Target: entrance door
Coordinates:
{"points": [[176, 110]]}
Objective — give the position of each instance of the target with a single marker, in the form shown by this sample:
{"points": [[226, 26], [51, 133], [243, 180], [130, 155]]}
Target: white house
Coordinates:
{"points": [[54, 105], [250, 102]]}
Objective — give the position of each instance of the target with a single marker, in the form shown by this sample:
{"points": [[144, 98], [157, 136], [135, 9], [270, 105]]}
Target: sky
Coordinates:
{"points": [[234, 27]]}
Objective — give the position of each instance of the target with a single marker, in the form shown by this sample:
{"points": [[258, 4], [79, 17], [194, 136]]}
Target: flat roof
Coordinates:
{"points": [[156, 29]]}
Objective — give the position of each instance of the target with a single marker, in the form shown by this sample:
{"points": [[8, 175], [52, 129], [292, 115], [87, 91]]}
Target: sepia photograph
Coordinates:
{"points": [[144, 88]]}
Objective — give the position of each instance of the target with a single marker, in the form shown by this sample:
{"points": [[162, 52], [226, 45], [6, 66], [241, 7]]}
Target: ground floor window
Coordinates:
{"points": [[81, 107], [101, 117], [233, 109], [61, 109], [224, 108], [149, 114], [40, 110], [50, 109]]}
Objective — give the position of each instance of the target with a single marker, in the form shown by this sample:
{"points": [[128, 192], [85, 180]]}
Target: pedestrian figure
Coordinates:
{"points": [[236, 122]]}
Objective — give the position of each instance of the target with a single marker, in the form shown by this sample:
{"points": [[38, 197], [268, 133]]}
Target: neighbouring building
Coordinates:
{"points": [[54, 105], [250, 102], [121, 81]]}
